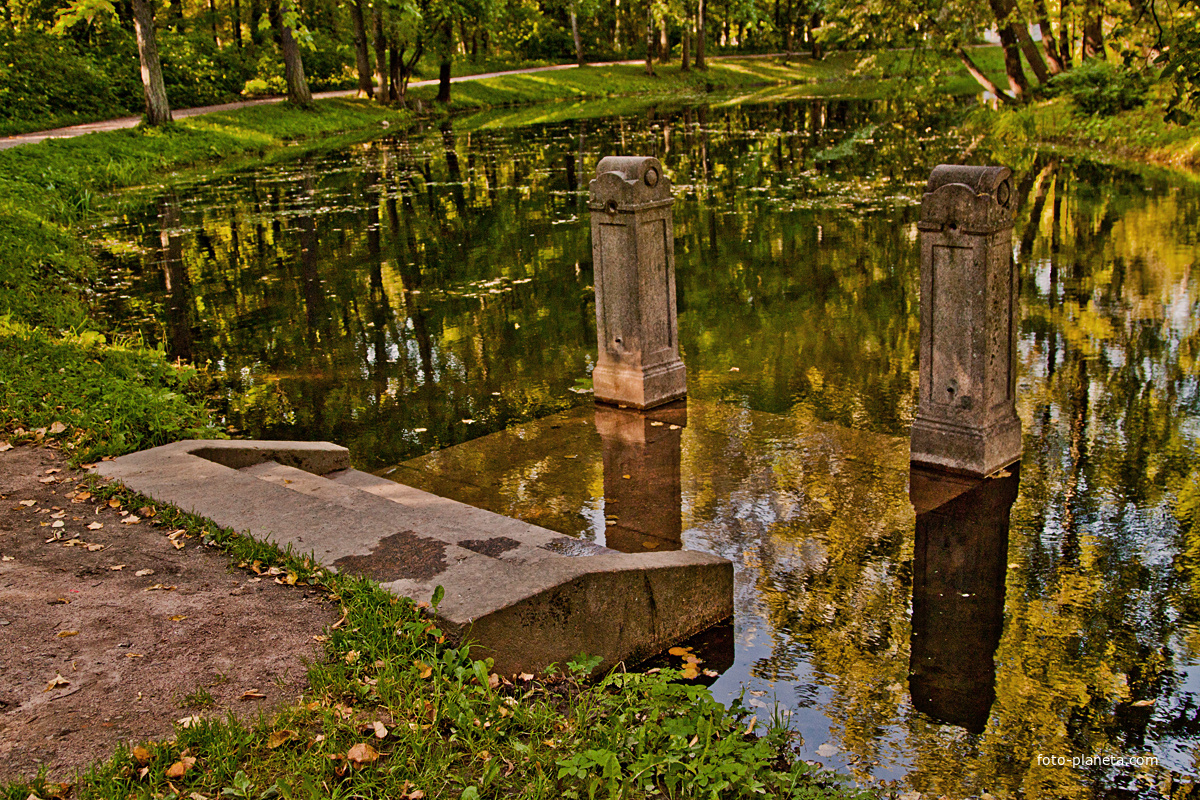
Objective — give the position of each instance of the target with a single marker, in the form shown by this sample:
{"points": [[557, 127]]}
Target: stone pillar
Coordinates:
{"points": [[633, 255], [966, 419], [960, 563], [642, 487]]}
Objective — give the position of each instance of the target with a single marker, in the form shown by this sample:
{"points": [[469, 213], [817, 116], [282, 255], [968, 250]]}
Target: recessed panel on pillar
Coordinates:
{"points": [[966, 418], [633, 255]]}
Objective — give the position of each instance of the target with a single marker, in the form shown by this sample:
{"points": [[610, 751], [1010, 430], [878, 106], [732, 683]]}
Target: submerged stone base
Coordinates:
{"points": [[526, 595]]}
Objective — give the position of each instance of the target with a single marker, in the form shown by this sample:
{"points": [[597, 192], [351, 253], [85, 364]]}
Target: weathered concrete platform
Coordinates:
{"points": [[526, 595]]}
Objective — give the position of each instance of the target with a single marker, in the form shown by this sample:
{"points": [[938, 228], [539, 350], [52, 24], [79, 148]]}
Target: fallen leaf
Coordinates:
{"points": [[95, 526], [680, 651], [750, 728], [64, 634], [711, 673], [28, 503], [162, 586], [826, 750], [146, 511], [8, 558], [362, 753], [117, 567], [142, 755], [420, 430], [180, 767], [131, 519], [351, 657], [468, 421], [252, 694], [58, 523], [423, 669], [114, 502], [95, 548], [134, 655], [5, 446], [59, 680], [58, 515], [188, 722], [178, 545], [141, 573], [81, 496], [177, 618], [626, 477], [51, 479], [381, 732], [493, 680], [525, 676], [689, 672], [279, 738], [57, 428], [734, 369]]}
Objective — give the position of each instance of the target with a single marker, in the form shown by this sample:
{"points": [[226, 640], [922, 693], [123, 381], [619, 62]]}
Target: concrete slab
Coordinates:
{"points": [[526, 595]]}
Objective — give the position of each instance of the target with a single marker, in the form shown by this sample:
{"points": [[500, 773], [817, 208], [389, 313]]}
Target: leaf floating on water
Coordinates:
{"points": [[680, 651], [826, 750]]}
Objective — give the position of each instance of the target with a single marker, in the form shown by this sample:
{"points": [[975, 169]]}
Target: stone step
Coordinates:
{"points": [[526, 595]]}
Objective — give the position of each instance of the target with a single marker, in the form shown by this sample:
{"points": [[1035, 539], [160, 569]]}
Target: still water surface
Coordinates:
{"points": [[426, 300]]}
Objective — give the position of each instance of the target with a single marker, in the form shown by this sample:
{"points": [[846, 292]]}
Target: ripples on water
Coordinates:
{"points": [[413, 293]]}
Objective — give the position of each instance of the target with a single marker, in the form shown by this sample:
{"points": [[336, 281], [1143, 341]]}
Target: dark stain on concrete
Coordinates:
{"points": [[493, 547], [403, 555], [566, 546]]}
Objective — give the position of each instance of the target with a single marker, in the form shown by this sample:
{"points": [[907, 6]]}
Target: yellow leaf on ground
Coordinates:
{"points": [[180, 767], [680, 651], [64, 634], [423, 669], [114, 502], [362, 753], [142, 755], [279, 738], [177, 618], [58, 681], [252, 694]]}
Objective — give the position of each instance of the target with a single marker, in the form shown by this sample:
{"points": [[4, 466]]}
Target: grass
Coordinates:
{"points": [[125, 397], [396, 710]]}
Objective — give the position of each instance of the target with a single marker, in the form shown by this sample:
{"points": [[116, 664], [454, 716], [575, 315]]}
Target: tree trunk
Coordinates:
{"points": [[212, 16], [649, 37], [443, 95], [361, 61], [700, 64], [1093, 31], [394, 56], [380, 54], [158, 111], [685, 65], [293, 67], [575, 36], [1053, 61], [664, 44], [1032, 54], [236, 19], [1064, 35], [814, 22], [1012, 63], [616, 43], [256, 37], [982, 79]]}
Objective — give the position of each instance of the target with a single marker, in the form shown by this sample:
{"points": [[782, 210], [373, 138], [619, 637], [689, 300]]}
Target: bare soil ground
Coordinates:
{"points": [[110, 632]]}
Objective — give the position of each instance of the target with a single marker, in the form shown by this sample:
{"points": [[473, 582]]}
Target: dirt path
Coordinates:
{"points": [[111, 631]]}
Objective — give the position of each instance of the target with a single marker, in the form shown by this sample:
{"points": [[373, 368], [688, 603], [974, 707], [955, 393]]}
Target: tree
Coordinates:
{"points": [[362, 62], [293, 65]]}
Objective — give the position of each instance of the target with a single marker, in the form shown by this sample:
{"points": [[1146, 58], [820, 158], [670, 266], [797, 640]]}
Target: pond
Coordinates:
{"points": [[426, 300]]}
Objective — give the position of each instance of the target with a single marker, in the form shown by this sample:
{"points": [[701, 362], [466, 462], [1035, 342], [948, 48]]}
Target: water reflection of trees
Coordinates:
{"points": [[397, 285]]}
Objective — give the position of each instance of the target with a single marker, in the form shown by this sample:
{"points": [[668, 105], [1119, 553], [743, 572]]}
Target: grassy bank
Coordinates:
{"points": [[394, 710], [125, 397]]}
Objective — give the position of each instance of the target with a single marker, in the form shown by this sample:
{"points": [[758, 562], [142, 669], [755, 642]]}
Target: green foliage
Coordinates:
{"points": [[1101, 88], [106, 400]]}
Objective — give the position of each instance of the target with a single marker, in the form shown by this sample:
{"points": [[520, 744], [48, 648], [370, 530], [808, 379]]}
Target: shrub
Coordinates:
{"points": [[1101, 88]]}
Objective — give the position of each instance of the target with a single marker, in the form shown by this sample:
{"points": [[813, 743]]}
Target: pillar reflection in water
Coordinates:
{"points": [[959, 567], [642, 494]]}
